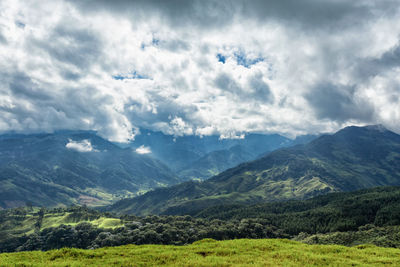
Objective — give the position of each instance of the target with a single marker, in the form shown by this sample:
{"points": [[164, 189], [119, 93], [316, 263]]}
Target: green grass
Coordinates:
{"points": [[242, 252], [18, 225], [55, 220]]}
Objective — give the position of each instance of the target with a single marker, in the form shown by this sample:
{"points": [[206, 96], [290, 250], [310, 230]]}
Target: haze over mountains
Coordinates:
{"points": [[351, 159], [79, 167], [73, 168], [195, 157]]}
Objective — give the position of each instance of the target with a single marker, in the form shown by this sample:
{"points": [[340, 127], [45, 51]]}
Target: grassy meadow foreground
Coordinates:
{"points": [[208, 252]]}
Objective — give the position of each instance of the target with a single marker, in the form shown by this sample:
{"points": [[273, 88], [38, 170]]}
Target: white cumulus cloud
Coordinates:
{"points": [[80, 146], [223, 67], [143, 150]]}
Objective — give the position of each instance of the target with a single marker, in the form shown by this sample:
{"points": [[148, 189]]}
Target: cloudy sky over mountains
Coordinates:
{"points": [[198, 67]]}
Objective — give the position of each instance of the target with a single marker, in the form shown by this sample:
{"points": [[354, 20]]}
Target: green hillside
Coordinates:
{"points": [[29, 220], [353, 158], [367, 216], [41, 170], [379, 206], [242, 252]]}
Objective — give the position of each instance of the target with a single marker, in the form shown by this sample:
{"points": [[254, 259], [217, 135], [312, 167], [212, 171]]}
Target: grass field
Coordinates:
{"points": [[242, 252]]}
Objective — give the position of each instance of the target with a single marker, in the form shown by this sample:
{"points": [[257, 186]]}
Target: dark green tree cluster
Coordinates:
{"points": [[177, 230], [388, 236], [329, 213]]}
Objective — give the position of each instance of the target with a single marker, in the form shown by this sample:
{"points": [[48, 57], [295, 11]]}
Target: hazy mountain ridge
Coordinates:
{"points": [[353, 158], [80, 167], [195, 157], [73, 167]]}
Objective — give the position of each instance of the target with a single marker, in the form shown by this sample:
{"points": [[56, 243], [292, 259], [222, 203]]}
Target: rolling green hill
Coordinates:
{"points": [[73, 168], [28, 220], [351, 159], [208, 252]]}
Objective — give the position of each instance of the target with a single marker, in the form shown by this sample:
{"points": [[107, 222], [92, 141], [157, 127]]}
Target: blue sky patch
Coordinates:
{"points": [[241, 59], [130, 76], [155, 41], [221, 58]]}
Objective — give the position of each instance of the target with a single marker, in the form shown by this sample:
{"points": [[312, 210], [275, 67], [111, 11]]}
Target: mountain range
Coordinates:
{"points": [[201, 157], [73, 167], [80, 167], [351, 159]]}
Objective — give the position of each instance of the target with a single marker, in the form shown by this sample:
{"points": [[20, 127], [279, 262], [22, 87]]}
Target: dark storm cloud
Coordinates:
{"points": [[310, 14], [71, 45], [179, 13], [22, 86], [226, 83], [261, 90], [338, 103], [201, 66], [371, 67]]}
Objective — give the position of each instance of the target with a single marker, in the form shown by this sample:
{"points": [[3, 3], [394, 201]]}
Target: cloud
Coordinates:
{"points": [[339, 103], [80, 146], [206, 14], [2, 39], [198, 67], [373, 66], [143, 150]]}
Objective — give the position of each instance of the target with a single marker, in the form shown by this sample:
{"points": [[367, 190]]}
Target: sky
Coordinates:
{"points": [[198, 67]]}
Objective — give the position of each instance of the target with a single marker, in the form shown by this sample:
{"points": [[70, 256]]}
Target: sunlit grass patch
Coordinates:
{"points": [[240, 252]]}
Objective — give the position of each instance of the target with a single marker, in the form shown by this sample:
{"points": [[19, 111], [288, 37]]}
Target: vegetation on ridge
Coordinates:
{"points": [[353, 158]]}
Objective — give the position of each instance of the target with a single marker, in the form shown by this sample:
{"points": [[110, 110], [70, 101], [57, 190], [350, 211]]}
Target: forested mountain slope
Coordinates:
{"points": [[351, 159], [73, 167]]}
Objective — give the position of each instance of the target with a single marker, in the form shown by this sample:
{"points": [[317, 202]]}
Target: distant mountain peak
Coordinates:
{"points": [[353, 158], [377, 127]]}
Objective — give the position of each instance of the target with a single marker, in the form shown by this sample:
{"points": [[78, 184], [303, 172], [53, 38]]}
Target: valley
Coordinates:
{"points": [[199, 133], [70, 167], [80, 167], [336, 192]]}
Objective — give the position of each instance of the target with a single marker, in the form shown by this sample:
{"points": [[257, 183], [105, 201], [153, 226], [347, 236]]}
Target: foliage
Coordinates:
{"points": [[177, 230], [328, 213], [388, 236]]}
